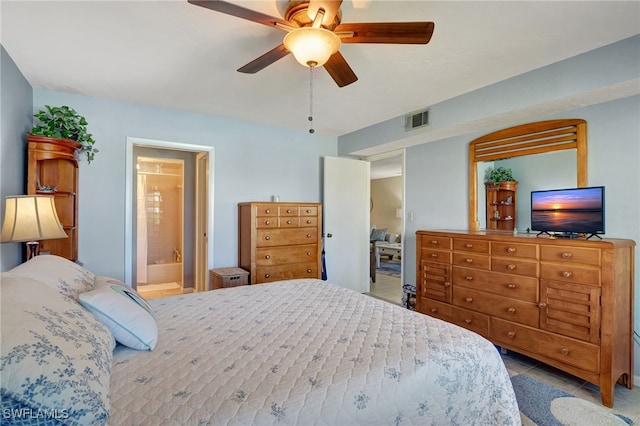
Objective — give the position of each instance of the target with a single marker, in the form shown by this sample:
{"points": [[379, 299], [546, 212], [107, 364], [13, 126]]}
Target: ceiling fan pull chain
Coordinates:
{"points": [[311, 98]]}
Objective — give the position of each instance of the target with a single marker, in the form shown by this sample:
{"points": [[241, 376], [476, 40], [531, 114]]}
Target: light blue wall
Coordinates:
{"points": [[16, 109], [252, 162]]}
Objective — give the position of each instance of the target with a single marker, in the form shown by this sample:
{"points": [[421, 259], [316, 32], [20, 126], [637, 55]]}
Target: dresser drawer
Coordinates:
{"points": [[432, 255], [515, 266], [584, 255], [285, 237], [310, 221], [492, 304], [266, 256], [284, 211], [578, 354], [476, 246], [266, 210], [266, 222], [435, 309], [526, 251], [436, 242], [287, 272], [308, 211], [471, 320], [471, 278], [580, 274], [513, 286], [471, 260], [289, 222]]}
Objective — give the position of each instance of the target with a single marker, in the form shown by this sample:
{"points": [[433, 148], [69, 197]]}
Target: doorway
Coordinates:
{"points": [[183, 251], [387, 218]]}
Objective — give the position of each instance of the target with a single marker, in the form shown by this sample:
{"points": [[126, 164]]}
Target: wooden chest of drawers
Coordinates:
{"points": [[280, 241], [568, 303]]}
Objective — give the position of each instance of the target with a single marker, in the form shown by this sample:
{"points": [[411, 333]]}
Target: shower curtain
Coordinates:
{"points": [[142, 229]]}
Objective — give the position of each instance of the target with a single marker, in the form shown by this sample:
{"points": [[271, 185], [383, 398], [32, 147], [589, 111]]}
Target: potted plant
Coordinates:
{"points": [[65, 123]]}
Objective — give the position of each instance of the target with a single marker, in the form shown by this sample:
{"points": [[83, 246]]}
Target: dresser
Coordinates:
{"points": [[280, 241], [565, 302]]}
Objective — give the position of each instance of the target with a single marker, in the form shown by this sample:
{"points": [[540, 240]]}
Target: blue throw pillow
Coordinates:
{"points": [[378, 234]]}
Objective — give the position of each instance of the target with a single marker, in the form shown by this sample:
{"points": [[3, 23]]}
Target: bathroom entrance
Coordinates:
{"points": [[160, 225]]}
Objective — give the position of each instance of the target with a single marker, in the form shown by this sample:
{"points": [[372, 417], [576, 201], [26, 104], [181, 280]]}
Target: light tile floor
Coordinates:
{"points": [[156, 291], [626, 401]]}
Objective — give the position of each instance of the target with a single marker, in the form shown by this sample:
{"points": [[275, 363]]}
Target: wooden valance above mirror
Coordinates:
{"points": [[526, 139]]}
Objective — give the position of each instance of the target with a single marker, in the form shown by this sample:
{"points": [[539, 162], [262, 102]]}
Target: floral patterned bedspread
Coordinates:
{"points": [[304, 352]]}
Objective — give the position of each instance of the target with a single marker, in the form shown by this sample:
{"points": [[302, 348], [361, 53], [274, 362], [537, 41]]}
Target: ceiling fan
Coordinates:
{"points": [[315, 33]]}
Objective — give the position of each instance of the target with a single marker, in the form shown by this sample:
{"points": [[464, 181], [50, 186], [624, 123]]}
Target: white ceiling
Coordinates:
{"points": [[176, 55]]}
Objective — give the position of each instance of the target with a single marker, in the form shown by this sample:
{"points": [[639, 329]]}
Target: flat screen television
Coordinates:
{"points": [[568, 212]]}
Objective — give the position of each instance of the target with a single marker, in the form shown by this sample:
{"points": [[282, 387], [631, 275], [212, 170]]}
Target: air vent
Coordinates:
{"points": [[416, 120]]}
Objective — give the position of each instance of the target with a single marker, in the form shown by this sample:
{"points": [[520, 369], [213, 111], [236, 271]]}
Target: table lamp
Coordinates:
{"points": [[30, 218]]}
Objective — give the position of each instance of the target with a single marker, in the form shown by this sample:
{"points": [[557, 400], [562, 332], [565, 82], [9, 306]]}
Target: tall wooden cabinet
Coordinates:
{"points": [[51, 163], [501, 205], [565, 302], [280, 241]]}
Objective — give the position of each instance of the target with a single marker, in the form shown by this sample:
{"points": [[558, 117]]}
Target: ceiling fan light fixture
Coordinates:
{"points": [[312, 47]]}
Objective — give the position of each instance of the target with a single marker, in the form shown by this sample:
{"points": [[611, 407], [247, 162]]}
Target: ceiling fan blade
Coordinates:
{"points": [[330, 8], [339, 70], [387, 32], [264, 60], [241, 12]]}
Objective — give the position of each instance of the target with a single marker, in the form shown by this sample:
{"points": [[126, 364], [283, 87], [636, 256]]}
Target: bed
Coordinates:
{"points": [[292, 352]]}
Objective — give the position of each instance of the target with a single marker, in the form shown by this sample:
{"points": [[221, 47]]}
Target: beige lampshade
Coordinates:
{"points": [[30, 218], [312, 46]]}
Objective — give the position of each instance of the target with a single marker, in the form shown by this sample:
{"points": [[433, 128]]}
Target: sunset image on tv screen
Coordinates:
{"points": [[579, 210]]}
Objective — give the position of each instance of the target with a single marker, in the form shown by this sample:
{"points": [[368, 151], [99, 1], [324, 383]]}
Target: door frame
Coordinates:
{"points": [[204, 195], [403, 227]]}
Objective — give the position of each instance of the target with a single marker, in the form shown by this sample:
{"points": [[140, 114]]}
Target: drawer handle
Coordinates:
{"points": [[468, 278], [434, 255], [267, 256], [468, 245], [469, 299], [267, 275], [267, 237], [434, 310], [309, 222], [564, 351], [511, 334], [566, 255], [511, 249], [288, 210], [434, 242], [567, 274], [267, 211], [288, 222], [308, 235], [468, 260], [468, 321], [308, 253], [511, 286], [308, 211], [542, 305], [511, 310], [308, 271], [267, 222], [447, 284], [511, 266]]}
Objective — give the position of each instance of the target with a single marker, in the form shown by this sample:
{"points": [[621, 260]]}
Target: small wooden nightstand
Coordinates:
{"points": [[228, 277]]}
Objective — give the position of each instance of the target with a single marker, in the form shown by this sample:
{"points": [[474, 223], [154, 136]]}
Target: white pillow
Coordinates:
{"points": [[129, 317], [56, 356], [59, 273]]}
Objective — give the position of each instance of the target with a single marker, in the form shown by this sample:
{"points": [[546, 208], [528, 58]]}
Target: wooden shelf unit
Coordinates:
{"points": [[52, 162], [501, 205]]}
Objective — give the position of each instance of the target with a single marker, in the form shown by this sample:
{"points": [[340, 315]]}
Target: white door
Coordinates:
{"points": [[346, 222]]}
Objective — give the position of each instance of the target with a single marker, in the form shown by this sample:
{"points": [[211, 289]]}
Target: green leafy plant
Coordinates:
{"points": [[65, 123], [501, 174]]}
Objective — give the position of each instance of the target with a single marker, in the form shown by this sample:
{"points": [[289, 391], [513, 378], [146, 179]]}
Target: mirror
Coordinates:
{"points": [[543, 155]]}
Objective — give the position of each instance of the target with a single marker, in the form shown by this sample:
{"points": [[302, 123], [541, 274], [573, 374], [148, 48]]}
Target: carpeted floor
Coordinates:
{"points": [[389, 267], [544, 405]]}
